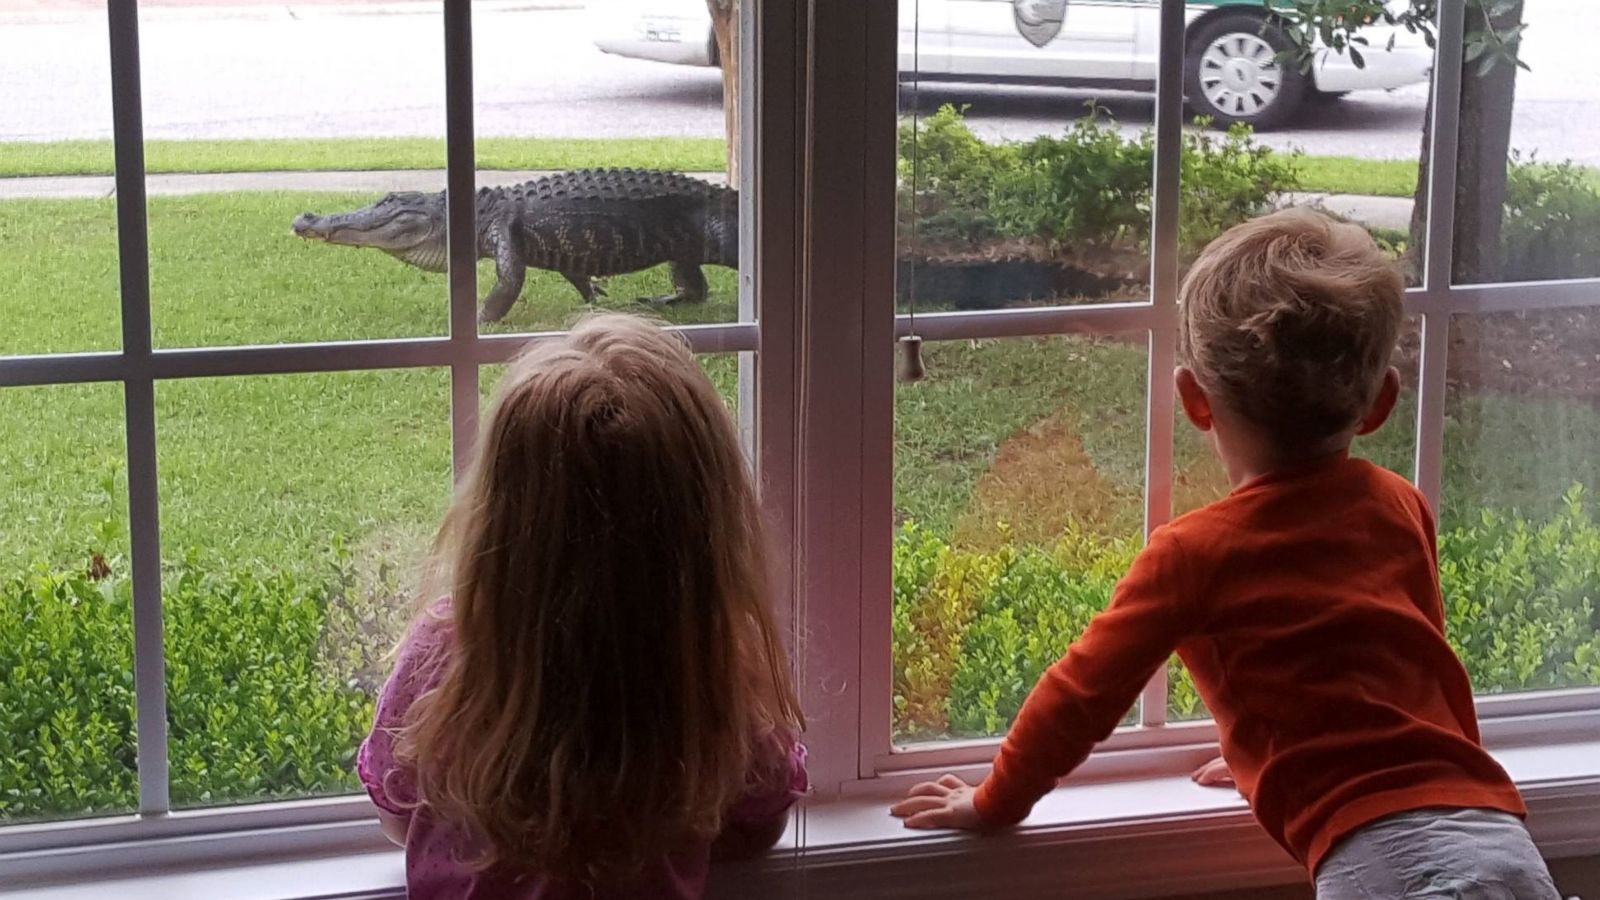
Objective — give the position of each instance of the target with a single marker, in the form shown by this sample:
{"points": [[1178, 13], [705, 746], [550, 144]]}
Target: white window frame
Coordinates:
{"points": [[818, 124], [853, 49], [156, 834]]}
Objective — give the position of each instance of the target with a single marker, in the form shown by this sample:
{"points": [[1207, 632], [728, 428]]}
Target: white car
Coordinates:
{"points": [[1232, 71]]}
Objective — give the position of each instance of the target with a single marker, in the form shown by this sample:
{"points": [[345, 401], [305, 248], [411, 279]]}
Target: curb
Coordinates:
{"points": [[1390, 213]]}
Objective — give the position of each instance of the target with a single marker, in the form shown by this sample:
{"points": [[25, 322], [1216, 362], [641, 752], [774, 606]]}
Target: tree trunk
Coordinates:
{"points": [[1485, 145], [725, 29]]}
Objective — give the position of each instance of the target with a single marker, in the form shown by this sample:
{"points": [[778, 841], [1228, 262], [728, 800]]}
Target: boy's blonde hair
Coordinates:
{"points": [[615, 674], [1290, 320]]}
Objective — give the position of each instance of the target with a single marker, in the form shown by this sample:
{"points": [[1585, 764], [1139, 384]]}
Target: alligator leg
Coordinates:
{"points": [[510, 273], [587, 288], [689, 282]]}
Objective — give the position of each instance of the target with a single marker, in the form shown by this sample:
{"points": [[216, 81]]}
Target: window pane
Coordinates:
{"points": [[294, 512], [1019, 478], [58, 244], [258, 98], [621, 84], [1519, 549], [1013, 194], [1528, 197], [66, 615], [1348, 138]]}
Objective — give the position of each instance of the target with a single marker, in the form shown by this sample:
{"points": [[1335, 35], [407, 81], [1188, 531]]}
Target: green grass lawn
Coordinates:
{"points": [[261, 467], [361, 154], [1348, 175], [273, 468], [1323, 174]]}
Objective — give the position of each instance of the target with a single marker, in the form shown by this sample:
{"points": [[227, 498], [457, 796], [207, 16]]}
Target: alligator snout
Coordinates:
{"points": [[306, 226]]}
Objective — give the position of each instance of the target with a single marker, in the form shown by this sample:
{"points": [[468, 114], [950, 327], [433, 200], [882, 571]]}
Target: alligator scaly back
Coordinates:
{"points": [[592, 223], [613, 184], [584, 224]]}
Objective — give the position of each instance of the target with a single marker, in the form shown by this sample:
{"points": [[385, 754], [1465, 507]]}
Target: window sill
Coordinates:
{"points": [[1111, 839]]}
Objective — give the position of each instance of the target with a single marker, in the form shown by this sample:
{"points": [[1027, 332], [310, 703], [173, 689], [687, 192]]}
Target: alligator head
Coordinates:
{"points": [[408, 226]]}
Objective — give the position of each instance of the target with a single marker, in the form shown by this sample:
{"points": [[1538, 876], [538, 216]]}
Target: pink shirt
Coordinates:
{"points": [[434, 847]]}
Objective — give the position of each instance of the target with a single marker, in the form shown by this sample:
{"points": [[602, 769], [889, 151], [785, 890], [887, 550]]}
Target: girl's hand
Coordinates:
{"points": [[946, 803], [1214, 774]]}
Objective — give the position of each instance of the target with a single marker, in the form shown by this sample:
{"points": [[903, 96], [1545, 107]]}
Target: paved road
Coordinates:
{"points": [[316, 71]]}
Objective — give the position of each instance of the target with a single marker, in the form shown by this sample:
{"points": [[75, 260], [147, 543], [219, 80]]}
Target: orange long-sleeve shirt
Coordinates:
{"points": [[1306, 605]]}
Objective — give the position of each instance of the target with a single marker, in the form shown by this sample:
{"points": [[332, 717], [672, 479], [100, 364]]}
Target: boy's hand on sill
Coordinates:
{"points": [[946, 803], [1214, 774]]}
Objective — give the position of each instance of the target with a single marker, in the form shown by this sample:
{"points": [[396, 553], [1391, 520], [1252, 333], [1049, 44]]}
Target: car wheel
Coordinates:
{"points": [[1233, 73]]}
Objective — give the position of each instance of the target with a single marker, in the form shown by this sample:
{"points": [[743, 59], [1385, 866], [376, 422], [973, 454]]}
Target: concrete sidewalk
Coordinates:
{"points": [[1392, 213]]}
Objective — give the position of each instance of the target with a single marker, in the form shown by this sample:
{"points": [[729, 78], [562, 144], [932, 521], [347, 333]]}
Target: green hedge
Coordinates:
{"points": [[1087, 190], [270, 676], [1551, 227], [255, 709], [973, 631]]}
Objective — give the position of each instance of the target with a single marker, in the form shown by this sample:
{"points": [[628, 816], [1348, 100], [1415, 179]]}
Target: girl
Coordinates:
{"points": [[601, 703]]}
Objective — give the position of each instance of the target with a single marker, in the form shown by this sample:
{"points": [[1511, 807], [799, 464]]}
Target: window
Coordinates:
{"points": [[199, 616], [228, 445], [1029, 176]]}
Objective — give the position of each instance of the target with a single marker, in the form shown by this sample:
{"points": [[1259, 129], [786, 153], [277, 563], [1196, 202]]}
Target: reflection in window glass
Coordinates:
{"points": [[66, 616], [1019, 502], [294, 512], [1519, 548], [58, 243], [1528, 194]]}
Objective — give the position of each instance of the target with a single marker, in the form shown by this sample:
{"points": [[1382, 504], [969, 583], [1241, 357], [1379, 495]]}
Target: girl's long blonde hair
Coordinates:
{"points": [[615, 674]]}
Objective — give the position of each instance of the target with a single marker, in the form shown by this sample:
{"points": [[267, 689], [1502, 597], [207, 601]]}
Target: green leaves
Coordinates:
{"points": [[1085, 190], [1522, 599], [1551, 227], [974, 631], [1490, 38], [262, 705], [254, 709]]}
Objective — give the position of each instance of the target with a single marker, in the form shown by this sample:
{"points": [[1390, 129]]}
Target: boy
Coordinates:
{"points": [[1306, 604]]}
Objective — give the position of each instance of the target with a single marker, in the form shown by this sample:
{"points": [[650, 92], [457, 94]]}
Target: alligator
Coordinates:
{"points": [[585, 224]]}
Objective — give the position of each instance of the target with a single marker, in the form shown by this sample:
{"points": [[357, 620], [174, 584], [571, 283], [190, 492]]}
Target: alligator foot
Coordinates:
{"points": [[663, 300], [588, 288], [688, 283]]}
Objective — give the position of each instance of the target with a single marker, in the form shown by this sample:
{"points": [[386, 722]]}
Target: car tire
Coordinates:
{"points": [[1232, 73]]}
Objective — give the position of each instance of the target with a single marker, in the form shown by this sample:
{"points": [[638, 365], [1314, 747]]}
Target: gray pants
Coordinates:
{"points": [[1464, 854]]}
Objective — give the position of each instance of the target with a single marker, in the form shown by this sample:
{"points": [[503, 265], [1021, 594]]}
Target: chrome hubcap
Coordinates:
{"points": [[1239, 74]]}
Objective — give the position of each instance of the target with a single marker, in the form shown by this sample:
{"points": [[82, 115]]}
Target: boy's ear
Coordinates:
{"points": [[1196, 405], [1383, 404]]}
